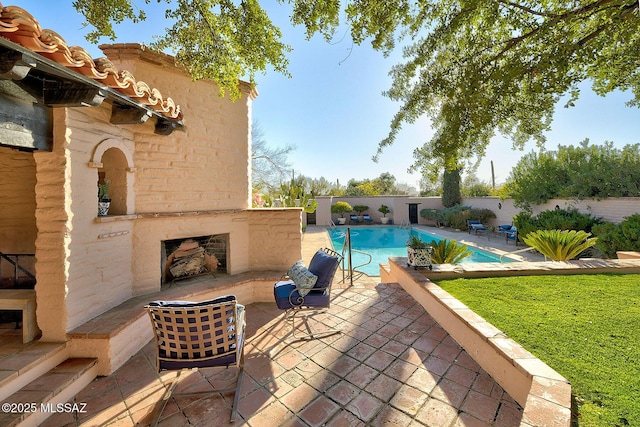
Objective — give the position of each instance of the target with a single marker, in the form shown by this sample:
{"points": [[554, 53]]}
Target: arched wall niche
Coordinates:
{"points": [[114, 162]]}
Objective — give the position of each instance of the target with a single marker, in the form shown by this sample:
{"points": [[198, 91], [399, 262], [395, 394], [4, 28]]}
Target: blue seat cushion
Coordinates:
{"points": [[205, 362], [287, 296]]}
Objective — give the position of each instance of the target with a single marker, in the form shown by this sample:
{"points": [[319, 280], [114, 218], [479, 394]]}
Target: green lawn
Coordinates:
{"points": [[586, 327]]}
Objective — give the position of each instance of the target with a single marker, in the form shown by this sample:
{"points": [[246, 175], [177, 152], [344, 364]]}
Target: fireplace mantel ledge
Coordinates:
{"points": [[112, 218]]}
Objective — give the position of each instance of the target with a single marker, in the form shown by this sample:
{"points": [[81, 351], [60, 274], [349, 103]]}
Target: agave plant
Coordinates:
{"points": [[448, 252], [560, 245]]}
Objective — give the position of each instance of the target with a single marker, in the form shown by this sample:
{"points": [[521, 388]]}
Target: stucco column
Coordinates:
{"points": [[52, 242]]}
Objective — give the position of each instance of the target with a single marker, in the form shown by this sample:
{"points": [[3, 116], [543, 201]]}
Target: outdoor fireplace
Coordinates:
{"points": [[194, 256]]}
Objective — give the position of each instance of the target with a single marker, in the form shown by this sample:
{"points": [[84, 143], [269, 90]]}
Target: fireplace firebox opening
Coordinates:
{"points": [[194, 256]]}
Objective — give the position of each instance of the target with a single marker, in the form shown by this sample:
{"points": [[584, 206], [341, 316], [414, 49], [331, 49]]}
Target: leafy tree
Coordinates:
{"points": [[429, 187], [480, 67], [319, 186], [475, 67], [451, 188], [220, 40], [583, 171], [473, 187], [384, 184]]}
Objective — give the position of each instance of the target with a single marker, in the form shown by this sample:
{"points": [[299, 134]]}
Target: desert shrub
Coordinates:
{"points": [[554, 219], [622, 237], [458, 219], [341, 208], [431, 215], [442, 217], [360, 208], [456, 216], [606, 233]]}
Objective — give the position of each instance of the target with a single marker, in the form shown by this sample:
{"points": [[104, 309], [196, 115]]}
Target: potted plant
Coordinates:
{"points": [[418, 252], [384, 210], [341, 208], [360, 209], [103, 198]]}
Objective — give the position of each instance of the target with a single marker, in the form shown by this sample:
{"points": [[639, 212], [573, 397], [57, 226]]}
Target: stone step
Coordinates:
{"points": [[19, 368], [48, 394]]}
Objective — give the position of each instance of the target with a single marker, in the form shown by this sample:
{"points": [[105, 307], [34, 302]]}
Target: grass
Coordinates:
{"points": [[586, 327]]}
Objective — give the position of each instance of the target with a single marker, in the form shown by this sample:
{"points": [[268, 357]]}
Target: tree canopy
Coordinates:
{"points": [[474, 67], [583, 171]]}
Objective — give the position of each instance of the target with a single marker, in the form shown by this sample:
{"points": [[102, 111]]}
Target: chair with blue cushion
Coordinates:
{"points": [[198, 335], [354, 219], [477, 227], [367, 218], [512, 234], [308, 290]]}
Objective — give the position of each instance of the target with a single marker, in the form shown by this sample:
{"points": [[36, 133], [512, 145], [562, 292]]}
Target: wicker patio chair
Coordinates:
{"points": [[198, 335]]}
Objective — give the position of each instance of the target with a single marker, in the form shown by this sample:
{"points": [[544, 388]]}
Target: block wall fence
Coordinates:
{"points": [[612, 209]]}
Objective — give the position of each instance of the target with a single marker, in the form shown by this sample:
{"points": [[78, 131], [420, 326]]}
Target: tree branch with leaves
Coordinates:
{"points": [[475, 68]]}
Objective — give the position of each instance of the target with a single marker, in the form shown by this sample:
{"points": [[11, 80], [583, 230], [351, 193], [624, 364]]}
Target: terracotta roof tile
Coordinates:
{"points": [[17, 25]]}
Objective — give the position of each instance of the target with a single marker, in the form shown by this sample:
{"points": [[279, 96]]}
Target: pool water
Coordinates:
{"points": [[384, 242]]}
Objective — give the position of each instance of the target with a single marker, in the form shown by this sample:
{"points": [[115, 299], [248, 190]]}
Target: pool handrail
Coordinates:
{"points": [[347, 251], [529, 248], [353, 269]]}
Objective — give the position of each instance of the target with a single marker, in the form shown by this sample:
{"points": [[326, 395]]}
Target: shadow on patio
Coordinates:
{"points": [[391, 365]]}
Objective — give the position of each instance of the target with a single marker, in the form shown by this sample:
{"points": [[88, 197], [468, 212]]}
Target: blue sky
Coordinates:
{"points": [[333, 111]]}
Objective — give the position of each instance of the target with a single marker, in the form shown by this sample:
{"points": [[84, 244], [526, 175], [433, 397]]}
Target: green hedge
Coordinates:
{"points": [[456, 216], [554, 219], [622, 237]]}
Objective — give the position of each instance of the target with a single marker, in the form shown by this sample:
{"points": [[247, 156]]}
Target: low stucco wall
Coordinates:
{"points": [[628, 255]]}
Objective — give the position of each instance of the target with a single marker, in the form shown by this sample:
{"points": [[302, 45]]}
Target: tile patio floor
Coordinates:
{"points": [[391, 365]]}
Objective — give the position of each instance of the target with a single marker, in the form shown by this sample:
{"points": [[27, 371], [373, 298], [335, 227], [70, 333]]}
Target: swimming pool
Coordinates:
{"points": [[384, 242]]}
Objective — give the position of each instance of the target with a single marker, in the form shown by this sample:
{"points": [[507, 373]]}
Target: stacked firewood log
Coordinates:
{"points": [[191, 259]]}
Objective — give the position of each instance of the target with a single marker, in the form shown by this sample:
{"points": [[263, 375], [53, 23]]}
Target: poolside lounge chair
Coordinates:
{"points": [[308, 290], [354, 219], [367, 218], [504, 228], [512, 234], [214, 338], [477, 227]]}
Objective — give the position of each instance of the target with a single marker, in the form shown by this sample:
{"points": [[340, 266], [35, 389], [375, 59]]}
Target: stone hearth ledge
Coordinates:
{"points": [[116, 335]]}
